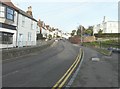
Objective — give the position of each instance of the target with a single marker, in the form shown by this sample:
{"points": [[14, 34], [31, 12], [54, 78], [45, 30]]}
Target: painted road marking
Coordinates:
{"points": [[65, 77], [75, 74]]}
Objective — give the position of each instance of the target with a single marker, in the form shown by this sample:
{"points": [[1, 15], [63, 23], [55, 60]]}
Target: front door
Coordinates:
{"points": [[20, 40]]}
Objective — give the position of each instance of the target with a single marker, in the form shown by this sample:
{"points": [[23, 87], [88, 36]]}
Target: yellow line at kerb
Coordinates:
{"points": [[65, 77]]}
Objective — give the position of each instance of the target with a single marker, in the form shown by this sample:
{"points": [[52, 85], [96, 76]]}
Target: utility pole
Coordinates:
{"points": [[81, 34]]}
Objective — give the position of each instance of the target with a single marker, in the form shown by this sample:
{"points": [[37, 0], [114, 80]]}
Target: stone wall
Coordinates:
{"points": [[16, 52]]}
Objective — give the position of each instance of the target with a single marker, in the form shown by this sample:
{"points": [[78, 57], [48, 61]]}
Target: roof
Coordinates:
{"points": [[112, 21], [27, 15], [10, 4]]}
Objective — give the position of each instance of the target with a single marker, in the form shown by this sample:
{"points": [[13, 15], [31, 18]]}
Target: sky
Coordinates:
{"points": [[67, 15]]}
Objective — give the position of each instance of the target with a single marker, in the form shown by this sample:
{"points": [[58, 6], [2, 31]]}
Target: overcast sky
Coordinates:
{"points": [[68, 14]]}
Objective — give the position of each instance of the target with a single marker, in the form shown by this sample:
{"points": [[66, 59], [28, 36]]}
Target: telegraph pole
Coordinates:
{"points": [[81, 34]]}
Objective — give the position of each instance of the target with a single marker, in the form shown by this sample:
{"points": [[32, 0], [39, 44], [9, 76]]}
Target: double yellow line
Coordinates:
{"points": [[65, 77]]}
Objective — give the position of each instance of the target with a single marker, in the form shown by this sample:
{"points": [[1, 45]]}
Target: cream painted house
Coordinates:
{"points": [[106, 26], [27, 28]]}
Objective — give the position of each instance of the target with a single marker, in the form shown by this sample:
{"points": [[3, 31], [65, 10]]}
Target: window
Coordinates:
{"points": [[2, 11], [29, 36], [6, 38], [10, 14], [23, 21], [32, 25]]}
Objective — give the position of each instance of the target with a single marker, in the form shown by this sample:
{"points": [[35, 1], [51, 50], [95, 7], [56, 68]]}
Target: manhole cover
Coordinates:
{"points": [[95, 59]]}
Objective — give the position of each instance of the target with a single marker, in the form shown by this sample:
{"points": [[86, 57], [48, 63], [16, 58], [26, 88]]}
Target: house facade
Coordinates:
{"points": [[17, 27], [8, 24], [106, 26], [27, 29], [42, 28]]}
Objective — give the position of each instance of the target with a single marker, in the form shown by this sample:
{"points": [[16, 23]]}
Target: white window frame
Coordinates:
{"points": [[2, 11], [29, 36], [23, 21], [31, 24]]}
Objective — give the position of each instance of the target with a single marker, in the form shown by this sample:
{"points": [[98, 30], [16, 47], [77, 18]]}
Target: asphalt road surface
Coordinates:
{"points": [[40, 69], [97, 73]]}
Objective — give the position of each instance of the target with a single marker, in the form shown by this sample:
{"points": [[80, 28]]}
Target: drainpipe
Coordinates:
{"points": [[17, 30]]}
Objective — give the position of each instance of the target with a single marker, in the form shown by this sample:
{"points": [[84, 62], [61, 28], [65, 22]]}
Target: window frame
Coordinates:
{"points": [[3, 11], [23, 21], [29, 36], [32, 25], [10, 13], [6, 38]]}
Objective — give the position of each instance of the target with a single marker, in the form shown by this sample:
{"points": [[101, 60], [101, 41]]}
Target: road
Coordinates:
{"points": [[99, 73], [40, 69]]}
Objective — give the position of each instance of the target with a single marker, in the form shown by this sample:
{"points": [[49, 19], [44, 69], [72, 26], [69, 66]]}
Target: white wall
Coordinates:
{"points": [[9, 22], [14, 37], [107, 27], [59, 34], [112, 27], [25, 30], [38, 30], [44, 32], [4, 20]]}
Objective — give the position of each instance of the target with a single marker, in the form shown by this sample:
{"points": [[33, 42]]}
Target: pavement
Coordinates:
{"points": [[40, 69], [97, 73]]}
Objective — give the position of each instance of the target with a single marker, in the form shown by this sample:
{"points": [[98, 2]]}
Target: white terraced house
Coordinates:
{"points": [[8, 24], [17, 27], [43, 29], [27, 28], [106, 26]]}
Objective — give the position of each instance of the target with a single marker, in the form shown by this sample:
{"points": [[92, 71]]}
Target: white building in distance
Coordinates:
{"points": [[106, 26]]}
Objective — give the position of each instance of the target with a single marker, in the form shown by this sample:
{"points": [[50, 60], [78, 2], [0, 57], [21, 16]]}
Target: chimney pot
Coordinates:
{"points": [[29, 10]]}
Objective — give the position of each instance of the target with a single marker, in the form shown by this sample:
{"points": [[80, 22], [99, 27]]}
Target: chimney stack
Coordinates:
{"points": [[30, 10], [104, 19]]}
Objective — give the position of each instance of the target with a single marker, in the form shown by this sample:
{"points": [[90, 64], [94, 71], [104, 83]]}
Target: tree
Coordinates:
{"points": [[88, 32], [50, 36], [73, 32], [53, 29], [91, 28]]}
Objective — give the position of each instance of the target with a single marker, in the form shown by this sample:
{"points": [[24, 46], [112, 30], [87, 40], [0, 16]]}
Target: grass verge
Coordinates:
{"points": [[104, 51]]}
